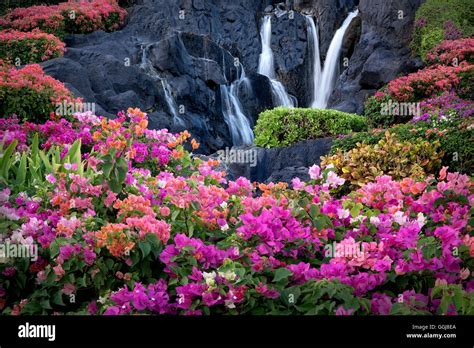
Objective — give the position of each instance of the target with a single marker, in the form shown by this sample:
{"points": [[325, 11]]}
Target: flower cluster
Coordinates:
{"points": [[452, 52], [67, 17], [446, 107], [31, 88], [17, 47], [427, 82]]}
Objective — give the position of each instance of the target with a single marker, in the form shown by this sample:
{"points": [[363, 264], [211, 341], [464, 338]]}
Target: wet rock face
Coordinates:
{"points": [[274, 165], [197, 46], [382, 52]]}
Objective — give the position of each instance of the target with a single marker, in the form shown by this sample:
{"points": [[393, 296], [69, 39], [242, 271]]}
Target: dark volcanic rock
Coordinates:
{"points": [[277, 164], [381, 54]]}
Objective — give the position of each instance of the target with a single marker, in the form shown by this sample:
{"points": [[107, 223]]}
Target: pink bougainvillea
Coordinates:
{"points": [[427, 82], [67, 17], [452, 52]]}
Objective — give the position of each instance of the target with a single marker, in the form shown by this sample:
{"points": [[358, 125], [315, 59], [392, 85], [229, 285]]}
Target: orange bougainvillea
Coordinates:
{"points": [[114, 237]]}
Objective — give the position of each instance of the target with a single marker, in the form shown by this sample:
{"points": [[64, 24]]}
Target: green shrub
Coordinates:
{"points": [[456, 144], [381, 111], [31, 94], [437, 20], [465, 88], [430, 40], [287, 126]]}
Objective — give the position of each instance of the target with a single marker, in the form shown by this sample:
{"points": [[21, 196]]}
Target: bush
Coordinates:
{"points": [[31, 94], [287, 126], [465, 89], [452, 52], [455, 141], [8, 5], [437, 20], [21, 48], [67, 18], [429, 81], [390, 156], [382, 110], [447, 107]]}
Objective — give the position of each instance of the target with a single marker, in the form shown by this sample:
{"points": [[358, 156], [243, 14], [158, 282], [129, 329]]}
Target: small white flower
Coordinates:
{"points": [[225, 227], [229, 275], [229, 304], [400, 218], [210, 277], [343, 213], [421, 219], [161, 183], [224, 205], [374, 220]]}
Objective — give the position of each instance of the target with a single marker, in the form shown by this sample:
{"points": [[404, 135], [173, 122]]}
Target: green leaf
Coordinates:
{"points": [[444, 305], [45, 304], [174, 215], [5, 161], [145, 248], [281, 273], [58, 298], [21, 174]]}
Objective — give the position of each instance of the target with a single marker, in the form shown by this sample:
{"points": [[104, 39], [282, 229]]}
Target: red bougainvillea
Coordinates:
{"points": [[29, 92], [427, 82], [452, 52], [68, 17], [17, 47]]}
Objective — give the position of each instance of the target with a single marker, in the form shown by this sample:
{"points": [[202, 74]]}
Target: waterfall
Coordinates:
{"points": [[146, 65], [172, 107], [266, 65], [315, 55], [329, 74], [236, 120]]}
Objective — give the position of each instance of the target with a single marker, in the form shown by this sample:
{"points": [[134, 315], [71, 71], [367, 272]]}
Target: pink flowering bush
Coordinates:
{"points": [[79, 17], [21, 48], [129, 222], [452, 52], [427, 82], [30, 93]]}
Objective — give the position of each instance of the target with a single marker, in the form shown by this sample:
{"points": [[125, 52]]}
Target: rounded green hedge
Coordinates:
{"points": [[287, 126]]}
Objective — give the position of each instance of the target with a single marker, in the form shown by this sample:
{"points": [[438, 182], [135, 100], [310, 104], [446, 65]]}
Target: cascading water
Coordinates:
{"points": [[238, 123], [329, 74], [146, 65], [172, 106], [315, 56], [266, 65]]}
